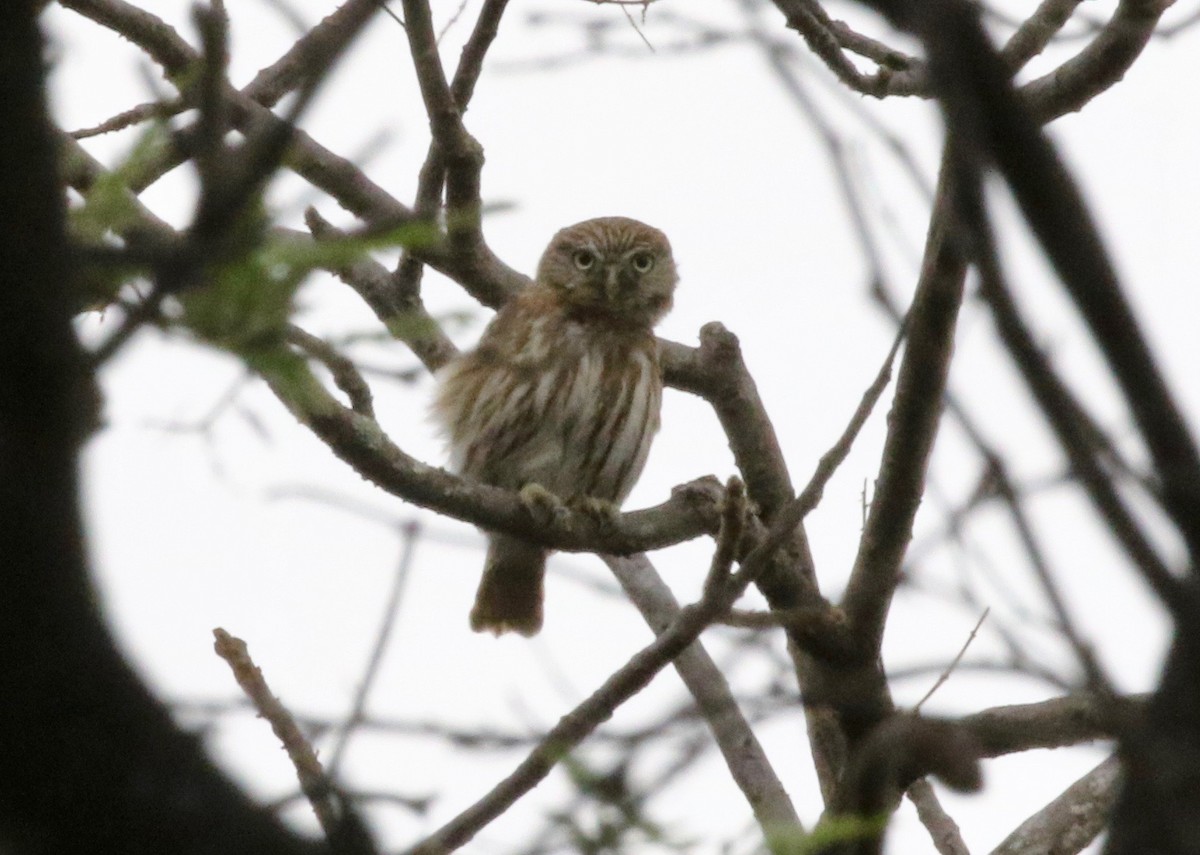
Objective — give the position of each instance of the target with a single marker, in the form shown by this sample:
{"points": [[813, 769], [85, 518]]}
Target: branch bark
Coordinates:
{"points": [[1070, 822], [747, 762], [912, 427]]}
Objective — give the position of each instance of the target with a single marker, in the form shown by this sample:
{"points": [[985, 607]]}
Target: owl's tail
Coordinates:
{"points": [[510, 595]]}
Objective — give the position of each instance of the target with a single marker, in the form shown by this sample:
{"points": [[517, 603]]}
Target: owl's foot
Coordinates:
{"points": [[542, 505], [604, 513]]}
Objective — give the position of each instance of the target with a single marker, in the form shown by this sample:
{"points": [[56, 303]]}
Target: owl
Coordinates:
{"points": [[561, 395]]}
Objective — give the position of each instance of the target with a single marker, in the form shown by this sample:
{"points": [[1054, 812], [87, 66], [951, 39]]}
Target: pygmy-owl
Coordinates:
{"points": [[562, 392]]}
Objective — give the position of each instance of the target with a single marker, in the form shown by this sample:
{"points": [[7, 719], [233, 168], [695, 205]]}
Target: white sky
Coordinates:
{"points": [[186, 535]]}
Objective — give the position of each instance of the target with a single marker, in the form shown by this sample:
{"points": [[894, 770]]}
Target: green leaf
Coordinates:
{"points": [[110, 206], [829, 832], [245, 307]]}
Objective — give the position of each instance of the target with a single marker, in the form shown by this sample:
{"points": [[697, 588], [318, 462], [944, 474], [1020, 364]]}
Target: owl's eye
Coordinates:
{"points": [[584, 259], [643, 262]]}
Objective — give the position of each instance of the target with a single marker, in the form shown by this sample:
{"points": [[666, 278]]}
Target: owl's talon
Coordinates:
{"points": [[541, 503], [604, 513]]}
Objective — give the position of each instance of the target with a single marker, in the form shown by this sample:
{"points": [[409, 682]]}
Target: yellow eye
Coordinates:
{"points": [[584, 259], [643, 262]]}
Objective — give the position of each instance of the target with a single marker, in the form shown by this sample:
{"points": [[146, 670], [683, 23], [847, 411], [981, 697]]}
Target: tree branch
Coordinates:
{"points": [[361, 443], [1036, 31], [912, 426], [460, 153], [1070, 822], [748, 764], [312, 50], [1102, 63], [479, 271], [1056, 723], [627, 681], [943, 830]]}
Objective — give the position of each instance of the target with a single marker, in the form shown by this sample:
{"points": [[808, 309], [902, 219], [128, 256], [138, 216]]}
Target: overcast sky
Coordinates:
{"points": [[196, 526]]}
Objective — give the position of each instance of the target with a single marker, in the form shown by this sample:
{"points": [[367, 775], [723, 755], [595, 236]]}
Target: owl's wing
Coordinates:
{"points": [[501, 403]]}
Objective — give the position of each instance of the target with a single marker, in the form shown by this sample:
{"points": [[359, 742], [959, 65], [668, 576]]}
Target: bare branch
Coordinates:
{"points": [[717, 372], [431, 179], [345, 374], [343, 831], [898, 74], [729, 537], [459, 151], [1061, 409], [312, 50], [805, 620], [400, 310], [1070, 822], [484, 275], [901, 750], [1056, 723], [627, 681], [943, 830], [912, 426], [135, 115], [949, 669], [748, 764], [1036, 31], [1101, 64], [358, 708]]}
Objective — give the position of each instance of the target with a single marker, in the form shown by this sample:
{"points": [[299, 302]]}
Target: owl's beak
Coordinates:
{"points": [[612, 283]]}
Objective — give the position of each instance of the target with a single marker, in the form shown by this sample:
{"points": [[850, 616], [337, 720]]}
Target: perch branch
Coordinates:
{"points": [[361, 443]]}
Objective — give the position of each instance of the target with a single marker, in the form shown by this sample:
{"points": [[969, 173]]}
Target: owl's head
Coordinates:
{"points": [[611, 266]]}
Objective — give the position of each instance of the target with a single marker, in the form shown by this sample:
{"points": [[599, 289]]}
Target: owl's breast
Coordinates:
{"points": [[604, 409], [572, 406]]}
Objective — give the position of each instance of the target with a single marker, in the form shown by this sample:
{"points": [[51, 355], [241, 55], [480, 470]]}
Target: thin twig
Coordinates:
{"points": [[1059, 406], [345, 374], [313, 781], [151, 110], [391, 610], [949, 669]]}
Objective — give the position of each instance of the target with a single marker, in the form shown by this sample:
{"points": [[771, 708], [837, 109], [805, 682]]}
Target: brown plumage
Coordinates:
{"points": [[563, 391]]}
